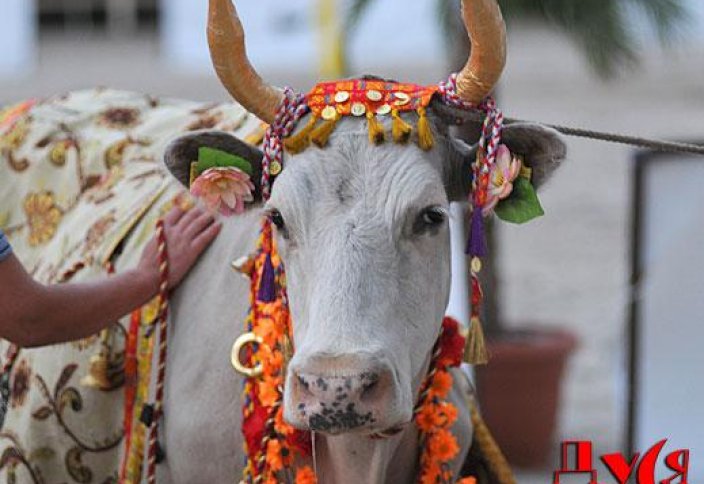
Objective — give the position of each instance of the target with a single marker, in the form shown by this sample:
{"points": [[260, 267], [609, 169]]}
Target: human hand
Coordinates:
{"points": [[187, 236]]}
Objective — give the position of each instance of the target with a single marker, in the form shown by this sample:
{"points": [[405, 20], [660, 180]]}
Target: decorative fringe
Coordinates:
{"points": [[425, 134], [400, 129], [320, 135], [267, 285], [376, 129], [475, 352], [300, 141], [495, 459]]}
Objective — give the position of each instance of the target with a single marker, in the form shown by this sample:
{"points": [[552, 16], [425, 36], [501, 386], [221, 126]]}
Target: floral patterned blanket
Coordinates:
{"points": [[81, 186]]}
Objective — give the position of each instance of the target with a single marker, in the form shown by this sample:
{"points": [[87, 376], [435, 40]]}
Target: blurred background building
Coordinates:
{"points": [[569, 269]]}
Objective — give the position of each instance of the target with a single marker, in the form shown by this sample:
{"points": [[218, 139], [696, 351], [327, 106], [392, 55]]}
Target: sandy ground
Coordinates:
{"points": [[567, 270]]}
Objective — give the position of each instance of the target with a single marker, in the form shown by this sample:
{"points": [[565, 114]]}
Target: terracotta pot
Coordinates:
{"points": [[519, 392]]}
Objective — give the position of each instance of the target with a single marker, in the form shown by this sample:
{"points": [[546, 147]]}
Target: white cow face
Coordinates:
{"points": [[363, 233]]}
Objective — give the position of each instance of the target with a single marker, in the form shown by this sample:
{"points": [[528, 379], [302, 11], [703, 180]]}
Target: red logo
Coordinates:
{"points": [[577, 459]]}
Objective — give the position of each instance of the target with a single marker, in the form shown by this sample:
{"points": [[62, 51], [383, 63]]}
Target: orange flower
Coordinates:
{"points": [[273, 364], [448, 415], [280, 425], [426, 419], [443, 446], [305, 475], [273, 455], [431, 472], [467, 480], [268, 392], [441, 384]]}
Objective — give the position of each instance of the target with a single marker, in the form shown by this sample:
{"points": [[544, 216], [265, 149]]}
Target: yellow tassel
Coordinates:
{"points": [[495, 459], [376, 129], [300, 141], [400, 129], [425, 134], [475, 351], [320, 135], [256, 137]]}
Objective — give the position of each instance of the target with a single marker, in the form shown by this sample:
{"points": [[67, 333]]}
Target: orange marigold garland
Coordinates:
{"points": [[434, 414], [270, 444]]}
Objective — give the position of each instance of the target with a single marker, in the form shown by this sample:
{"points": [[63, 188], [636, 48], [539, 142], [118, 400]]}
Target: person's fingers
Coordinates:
{"points": [[188, 218], [173, 216], [206, 237], [198, 225]]}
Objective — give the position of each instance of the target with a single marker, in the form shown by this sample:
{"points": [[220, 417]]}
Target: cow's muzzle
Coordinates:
{"points": [[337, 394]]}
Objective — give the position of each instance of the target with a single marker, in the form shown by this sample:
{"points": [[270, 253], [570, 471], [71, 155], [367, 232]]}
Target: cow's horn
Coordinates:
{"points": [[487, 33], [227, 50]]}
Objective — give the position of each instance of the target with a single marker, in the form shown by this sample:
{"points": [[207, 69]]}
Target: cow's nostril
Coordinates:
{"points": [[368, 390], [370, 382]]}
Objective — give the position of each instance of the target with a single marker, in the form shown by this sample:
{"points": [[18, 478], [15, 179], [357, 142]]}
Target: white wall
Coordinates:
{"points": [[17, 37]]}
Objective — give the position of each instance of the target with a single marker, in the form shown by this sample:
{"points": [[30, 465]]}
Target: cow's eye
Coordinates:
{"points": [[434, 216], [277, 219], [430, 217]]}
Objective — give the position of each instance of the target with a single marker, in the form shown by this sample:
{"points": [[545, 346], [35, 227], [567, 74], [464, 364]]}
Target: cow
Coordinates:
{"points": [[363, 231]]}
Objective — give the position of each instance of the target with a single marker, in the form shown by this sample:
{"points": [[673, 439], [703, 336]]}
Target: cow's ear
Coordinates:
{"points": [[184, 150], [542, 150]]}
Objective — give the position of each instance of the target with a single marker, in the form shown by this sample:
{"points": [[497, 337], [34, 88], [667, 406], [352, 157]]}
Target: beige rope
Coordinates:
{"points": [[656, 145]]}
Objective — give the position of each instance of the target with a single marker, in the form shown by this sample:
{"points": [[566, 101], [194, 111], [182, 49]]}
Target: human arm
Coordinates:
{"points": [[33, 314]]}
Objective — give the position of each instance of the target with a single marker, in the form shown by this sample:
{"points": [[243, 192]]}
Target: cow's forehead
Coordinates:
{"points": [[350, 170]]}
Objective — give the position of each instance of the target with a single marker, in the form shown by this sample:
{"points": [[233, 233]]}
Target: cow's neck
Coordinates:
{"points": [[351, 459]]}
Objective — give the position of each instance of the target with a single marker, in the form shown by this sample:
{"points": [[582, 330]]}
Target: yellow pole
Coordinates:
{"points": [[332, 41]]}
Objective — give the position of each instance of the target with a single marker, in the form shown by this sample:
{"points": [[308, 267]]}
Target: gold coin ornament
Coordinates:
{"points": [[401, 98], [384, 109], [275, 168], [476, 264], [342, 96], [374, 95], [329, 113], [359, 109]]}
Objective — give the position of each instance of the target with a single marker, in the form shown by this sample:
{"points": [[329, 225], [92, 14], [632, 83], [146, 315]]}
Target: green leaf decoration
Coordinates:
{"points": [[522, 205], [211, 158]]}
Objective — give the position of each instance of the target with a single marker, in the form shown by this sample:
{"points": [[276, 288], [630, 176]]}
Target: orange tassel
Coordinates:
{"points": [[400, 129], [376, 129], [300, 141], [425, 134]]}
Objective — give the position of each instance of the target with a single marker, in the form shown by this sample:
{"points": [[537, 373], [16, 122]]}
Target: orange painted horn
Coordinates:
{"points": [[229, 56], [487, 33]]}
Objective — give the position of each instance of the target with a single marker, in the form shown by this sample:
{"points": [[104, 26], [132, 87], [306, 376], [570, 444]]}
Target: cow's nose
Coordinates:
{"points": [[338, 401], [354, 388]]}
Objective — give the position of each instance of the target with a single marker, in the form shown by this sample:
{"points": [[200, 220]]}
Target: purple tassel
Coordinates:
{"points": [[476, 245], [267, 284]]}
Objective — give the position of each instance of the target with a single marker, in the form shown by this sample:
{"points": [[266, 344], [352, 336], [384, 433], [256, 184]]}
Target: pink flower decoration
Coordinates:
{"points": [[501, 177], [224, 189]]}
